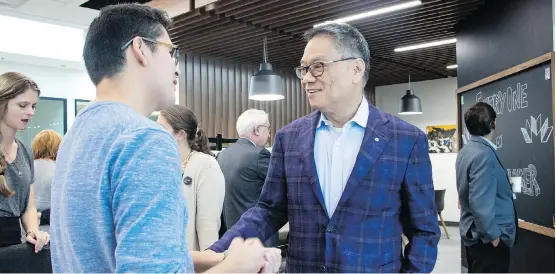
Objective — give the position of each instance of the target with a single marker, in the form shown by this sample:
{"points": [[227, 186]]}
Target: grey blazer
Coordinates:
{"points": [[244, 166], [485, 193]]}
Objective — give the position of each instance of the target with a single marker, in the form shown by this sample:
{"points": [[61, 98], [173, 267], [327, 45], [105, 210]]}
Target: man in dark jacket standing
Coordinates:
{"points": [[245, 165]]}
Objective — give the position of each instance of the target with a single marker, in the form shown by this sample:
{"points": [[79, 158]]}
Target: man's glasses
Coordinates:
{"points": [[317, 68], [267, 126], [174, 50]]}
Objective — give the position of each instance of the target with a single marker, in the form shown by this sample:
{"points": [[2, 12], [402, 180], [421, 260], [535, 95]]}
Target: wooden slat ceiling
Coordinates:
{"points": [[234, 29]]}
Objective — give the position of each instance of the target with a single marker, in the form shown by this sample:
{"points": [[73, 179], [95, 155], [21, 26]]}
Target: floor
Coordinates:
{"points": [[449, 252]]}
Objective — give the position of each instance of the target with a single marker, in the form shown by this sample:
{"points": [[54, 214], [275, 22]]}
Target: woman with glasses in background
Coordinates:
{"points": [[18, 97]]}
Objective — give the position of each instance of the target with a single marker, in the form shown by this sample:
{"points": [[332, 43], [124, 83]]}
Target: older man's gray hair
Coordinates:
{"points": [[349, 41], [250, 120]]}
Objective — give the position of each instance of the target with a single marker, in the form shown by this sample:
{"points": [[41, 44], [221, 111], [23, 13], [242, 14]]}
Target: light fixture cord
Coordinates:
{"points": [[410, 81], [264, 50]]}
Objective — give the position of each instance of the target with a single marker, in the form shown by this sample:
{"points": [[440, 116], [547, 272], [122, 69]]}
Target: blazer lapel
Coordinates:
{"points": [[377, 135], [307, 149]]}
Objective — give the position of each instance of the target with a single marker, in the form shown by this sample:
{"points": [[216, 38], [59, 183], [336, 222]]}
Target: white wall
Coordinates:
{"points": [[69, 82], [438, 99], [54, 82]]}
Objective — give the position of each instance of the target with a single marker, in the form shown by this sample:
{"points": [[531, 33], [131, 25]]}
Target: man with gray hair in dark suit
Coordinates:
{"points": [[245, 165], [488, 223]]}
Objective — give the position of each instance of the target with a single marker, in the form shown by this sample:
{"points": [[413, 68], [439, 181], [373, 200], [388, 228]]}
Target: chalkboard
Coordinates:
{"points": [[523, 100]]}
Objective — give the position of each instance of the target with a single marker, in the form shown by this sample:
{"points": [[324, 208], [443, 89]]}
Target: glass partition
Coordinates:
{"points": [[80, 104], [51, 113]]}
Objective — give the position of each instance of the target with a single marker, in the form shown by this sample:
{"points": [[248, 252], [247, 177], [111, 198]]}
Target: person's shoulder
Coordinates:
{"points": [[298, 124], [206, 160], [473, 151], [26, 151], [264, 152], [289, 134], [114, 116], [207, 164], [146, 136]]}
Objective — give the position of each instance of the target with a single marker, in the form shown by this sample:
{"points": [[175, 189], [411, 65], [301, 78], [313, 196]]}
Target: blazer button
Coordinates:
{"points": [[322, 268], [330, 229]]}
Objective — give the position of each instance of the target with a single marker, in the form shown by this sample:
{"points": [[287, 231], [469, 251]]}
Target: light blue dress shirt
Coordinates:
{"points": [[336, 150]]}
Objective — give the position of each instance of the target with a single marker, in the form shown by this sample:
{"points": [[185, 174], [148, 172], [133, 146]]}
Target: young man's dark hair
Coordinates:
{"points": [[480, 119], [112, 29]]}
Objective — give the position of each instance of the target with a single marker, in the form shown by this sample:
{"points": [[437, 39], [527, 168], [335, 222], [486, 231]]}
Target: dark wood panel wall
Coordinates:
{"points": [[217, 91]]}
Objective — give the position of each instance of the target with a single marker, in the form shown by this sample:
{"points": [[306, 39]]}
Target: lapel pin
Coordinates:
{"points": [[187, 181], [376, 139]]}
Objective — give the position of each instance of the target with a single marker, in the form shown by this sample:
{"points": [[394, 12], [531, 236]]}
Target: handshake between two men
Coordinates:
{"points": [[243, 256]]}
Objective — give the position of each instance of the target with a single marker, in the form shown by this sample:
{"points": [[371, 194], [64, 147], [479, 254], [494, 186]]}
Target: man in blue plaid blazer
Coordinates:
{"points": [[349, 178]]}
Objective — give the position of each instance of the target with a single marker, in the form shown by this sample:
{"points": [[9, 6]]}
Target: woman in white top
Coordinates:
{"points": [[202, 178], [45, 148]]}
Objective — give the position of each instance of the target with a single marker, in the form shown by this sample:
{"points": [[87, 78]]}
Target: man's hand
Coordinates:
{"points": [[495, 242], [250, 256], [273, 257]]}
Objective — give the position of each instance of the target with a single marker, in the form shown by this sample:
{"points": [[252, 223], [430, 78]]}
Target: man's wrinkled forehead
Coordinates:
{"points": [[319, 48]]}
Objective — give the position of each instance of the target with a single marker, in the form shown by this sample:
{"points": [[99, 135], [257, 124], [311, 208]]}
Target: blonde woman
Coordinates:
{"points": [[18, 97]]}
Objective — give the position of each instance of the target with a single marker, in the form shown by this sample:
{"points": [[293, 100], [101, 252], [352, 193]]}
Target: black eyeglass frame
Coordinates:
{"points": [[311, 68]]}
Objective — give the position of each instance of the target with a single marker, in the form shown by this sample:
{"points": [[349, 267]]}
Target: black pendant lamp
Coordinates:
{"points": [[410, 104], [266, 85]]}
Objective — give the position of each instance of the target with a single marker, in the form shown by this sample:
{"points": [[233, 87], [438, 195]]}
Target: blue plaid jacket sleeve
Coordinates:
{"points": [[270, 213], [419, 211]]}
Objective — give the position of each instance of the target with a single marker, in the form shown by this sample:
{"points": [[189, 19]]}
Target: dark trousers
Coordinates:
{"points": [[485, 258], [10, 231]]}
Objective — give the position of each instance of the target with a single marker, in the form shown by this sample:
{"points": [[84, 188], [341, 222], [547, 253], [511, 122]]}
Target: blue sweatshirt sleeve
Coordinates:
{"points": [[148, 205]]}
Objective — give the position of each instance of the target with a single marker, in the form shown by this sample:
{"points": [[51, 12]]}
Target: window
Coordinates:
{"points": [[49, 114], [80, 104]]}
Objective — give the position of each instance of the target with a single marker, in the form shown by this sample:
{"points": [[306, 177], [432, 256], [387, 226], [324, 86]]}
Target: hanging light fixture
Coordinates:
{"points": [[266, 85], [410, 104]]}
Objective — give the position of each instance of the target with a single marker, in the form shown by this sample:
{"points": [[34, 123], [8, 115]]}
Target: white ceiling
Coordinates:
{"points": [[40, 61], [61, 12], [66, 13]]}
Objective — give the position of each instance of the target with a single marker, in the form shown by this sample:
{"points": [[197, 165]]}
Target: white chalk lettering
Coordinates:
{"points": [[509, 99], [529, 184]]}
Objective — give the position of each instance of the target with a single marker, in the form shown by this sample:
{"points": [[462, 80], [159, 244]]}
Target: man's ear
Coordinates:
{"points": [[138, 49], [358, 71]]}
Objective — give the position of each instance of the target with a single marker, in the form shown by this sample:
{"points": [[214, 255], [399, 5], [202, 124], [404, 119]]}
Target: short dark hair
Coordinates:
{"points": [[349, 41], [111, 29], [479, 119]]}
